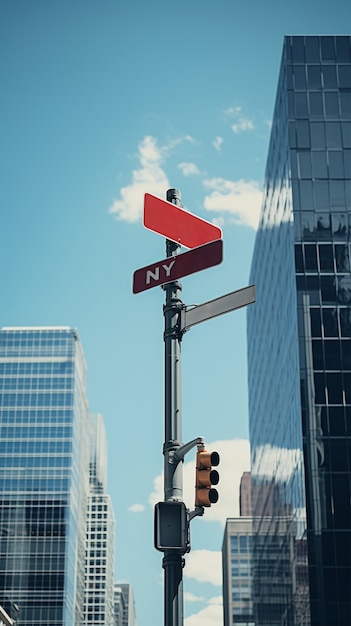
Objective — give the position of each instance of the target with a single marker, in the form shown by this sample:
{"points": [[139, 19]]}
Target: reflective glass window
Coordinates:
{"points": [[345, 104], [328, 48], [312, 49], [305, 169], [336, 164], [315, 317], [316, 104], [342, 257], [293, 164], [343, 49], [234, 544], [344, 289], [319, 164], [337, 422], [292, 134], [347, 163], [317, 353], [344, 72], [300, 77], [346, 134], [302, 134], [314, 76], [311, 257], [345, 322], [347, 381], [337, 194], [326, 261], [308, 220], [346, 354], [331, 101], [338, 457], [333, 135], [318, 135], [332, 355], [339, 225], [299, 265], [328, 289], [298, 49], [306, 194], [334, 388], [329, 77], [301, 108], [289, 77], [319, 386], [321, 195]]}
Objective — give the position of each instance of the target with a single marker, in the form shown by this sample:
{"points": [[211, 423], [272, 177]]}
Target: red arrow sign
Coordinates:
{"points": [[171, 221], [177, 266]]}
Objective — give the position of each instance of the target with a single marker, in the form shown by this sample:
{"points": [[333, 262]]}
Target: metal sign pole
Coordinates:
{"points": [[172, 518], [173, 561]]}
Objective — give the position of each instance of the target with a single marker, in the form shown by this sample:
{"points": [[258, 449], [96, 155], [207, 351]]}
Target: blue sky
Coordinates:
{"points": [[101, 103]]}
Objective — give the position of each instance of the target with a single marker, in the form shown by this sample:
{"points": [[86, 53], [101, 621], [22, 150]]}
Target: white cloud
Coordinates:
{"points": [[190, 597], [216, 600], [211, 615], [242, 125], [189, 169], [233, 111], [190, 139], [279, 462], [234, 460], [205, 566], [217, 142], [136, 508], [240, 199], [149, 177]]}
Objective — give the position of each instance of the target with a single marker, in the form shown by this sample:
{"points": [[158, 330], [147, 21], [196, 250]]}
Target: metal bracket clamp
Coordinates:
{"points": [[198, 511], [174, 306]]}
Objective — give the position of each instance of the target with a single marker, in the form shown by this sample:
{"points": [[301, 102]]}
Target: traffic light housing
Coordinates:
{"points": [[171, 527], [205, 495]]}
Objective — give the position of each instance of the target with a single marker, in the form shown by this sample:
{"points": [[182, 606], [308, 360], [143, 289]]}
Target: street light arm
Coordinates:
{"points": [[182, 450]]}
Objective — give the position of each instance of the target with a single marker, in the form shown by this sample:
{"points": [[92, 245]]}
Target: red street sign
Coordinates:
{"points": [[177, 266], [171, 221]]}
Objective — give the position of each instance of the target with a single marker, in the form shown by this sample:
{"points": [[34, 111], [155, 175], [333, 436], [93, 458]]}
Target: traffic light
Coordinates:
{"points": [[205, 495]]}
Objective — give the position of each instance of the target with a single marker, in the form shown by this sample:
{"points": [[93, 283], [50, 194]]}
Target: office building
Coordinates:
{"points": [[259, 566], [99, 578], [237, 572], [125, 614], [299, 335], [245, 508], [44, 474]]}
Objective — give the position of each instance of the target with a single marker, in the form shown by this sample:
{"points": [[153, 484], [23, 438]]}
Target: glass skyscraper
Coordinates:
{"points": [[44, 474], [299, 334]]}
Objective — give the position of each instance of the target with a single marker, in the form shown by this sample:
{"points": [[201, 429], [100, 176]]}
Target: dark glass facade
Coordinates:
{"points": [[299, 333], [44, 474]]}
